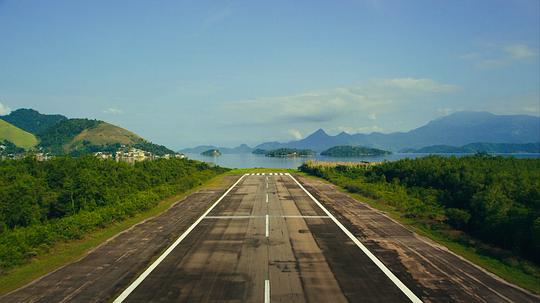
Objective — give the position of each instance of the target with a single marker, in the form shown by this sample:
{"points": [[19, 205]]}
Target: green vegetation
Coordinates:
{"points": [[31, 120], [486, 206], [16, 135], [43, 203], [353, 151], [503, 148], [211, 153], [290, 152]]}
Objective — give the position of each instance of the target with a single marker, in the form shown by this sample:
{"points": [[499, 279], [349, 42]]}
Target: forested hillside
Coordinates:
{"points": [[493, 199], [31, 120], [64, 198]]}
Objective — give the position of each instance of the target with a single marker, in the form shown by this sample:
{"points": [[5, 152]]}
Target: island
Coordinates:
{"points": [[289, 153], [212, 153], [259, 151], [353, 151]]}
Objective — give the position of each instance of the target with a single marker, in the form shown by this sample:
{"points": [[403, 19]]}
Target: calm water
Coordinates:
{"points": [[251, 160]]}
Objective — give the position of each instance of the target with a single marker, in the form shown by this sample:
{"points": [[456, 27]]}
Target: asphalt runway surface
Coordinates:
{"points": [[269, 237]]}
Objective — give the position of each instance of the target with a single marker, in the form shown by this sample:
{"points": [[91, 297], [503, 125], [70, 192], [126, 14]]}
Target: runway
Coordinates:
{"points": [[266, 240]]}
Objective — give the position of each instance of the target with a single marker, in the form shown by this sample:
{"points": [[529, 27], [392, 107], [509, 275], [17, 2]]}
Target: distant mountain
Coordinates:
{"points": [[456, 129], [31, 120], [16, 136], [241, 149], [503, 148]]}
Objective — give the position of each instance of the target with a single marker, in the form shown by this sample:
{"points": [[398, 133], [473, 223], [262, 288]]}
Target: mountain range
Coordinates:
{"points": [[57, 134], [457, 129]]}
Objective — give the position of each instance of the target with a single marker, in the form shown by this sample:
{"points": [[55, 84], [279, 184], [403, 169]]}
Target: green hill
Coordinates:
{"points": [[31, 120], [353, 151], [16, 135], [81, 136]]}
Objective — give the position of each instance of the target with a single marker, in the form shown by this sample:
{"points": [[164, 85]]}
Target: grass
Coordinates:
{"points": [[67, 252], [509, 273], [16, 135]]}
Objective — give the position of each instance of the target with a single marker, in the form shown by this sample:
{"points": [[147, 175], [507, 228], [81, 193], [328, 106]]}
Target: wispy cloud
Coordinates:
{"points": [[519, 51], [499, 56], [295, 133], [356, 130], [356, 101], [4, 109], [420, 85], [113, 111]]}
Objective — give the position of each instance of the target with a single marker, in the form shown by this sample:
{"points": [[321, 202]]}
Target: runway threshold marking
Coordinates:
{"points": [[145, 274], [366, 251], [252, 217]]}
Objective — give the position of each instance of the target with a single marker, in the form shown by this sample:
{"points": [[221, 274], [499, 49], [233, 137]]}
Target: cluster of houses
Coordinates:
{"points": [[132, 155], [125, 154]]}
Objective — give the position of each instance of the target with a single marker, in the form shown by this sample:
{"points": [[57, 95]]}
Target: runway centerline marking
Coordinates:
{"points": [[366, 251], [267, 226], [145, 274], [266, 198], [266, 291]]}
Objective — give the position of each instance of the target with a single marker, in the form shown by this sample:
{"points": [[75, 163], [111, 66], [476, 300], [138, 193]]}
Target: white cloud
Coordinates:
{"points": [[113, 111], [360, 101], [4, 109], [295, 133], [519, 51]]}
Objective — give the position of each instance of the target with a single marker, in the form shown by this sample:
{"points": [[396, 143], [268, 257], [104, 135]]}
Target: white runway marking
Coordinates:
{"points": [[141, 278], [372, 257], [266, 198], [250, 217], [267, 226], [266, 291]]}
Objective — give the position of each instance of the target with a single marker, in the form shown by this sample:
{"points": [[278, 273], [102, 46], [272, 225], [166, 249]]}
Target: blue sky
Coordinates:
{"points": [[184, 73]]}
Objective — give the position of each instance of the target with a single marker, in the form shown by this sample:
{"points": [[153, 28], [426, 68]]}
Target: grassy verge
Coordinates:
{"points": [[67, 252], [512, 274]]}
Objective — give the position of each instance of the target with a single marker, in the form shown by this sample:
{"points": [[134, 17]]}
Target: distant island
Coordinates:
{"points": [[211, 153], [289, 153], [499, 148], [259, 151], [353, 151]]}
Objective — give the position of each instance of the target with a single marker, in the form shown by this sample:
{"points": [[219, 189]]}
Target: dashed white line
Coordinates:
{"points": [[266, 198], [141, 278], [267, 227], [372, 257], [266, 291]]}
